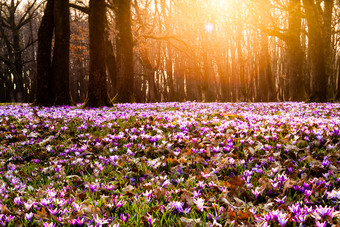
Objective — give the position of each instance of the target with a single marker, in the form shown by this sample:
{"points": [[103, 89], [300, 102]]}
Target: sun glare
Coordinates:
{"points": [[217, 10], [209, 27], [224, 5]]}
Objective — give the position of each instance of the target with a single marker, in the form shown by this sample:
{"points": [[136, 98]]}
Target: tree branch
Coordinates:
{"points": [[112, 7], [166, 37], [23, 20], [30, 43], [83, 9], [26, 62]]}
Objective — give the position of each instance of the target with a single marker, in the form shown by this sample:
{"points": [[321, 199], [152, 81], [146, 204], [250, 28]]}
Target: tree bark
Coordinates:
{"points": [[170, 76], [337, 93], [18, 61], [295, 54], [125, 50], [327, 40], [111, 66], [208, 80], [44, 67], [179, 76], [269, 89], [316, 48], [223, 71], [263, 83], [61, 56], [242, 85], [97, 95]]}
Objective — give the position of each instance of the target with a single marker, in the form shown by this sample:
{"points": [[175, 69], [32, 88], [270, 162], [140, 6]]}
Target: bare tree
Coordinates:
{"points": [[12, 21]]}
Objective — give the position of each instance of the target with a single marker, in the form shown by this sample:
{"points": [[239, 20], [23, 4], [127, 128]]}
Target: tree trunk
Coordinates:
{"points": [[337, 94], [125, 51], [170, 76], [179, 80], [316, 48], [149, 71], [97, 95], [241, 80], [17, 67], [223, 71], [327, 39], [263, 83], [208, 81], [295, 53], [44, 67], [18, 64], [111, 66], [61, 56], [233, 75]]}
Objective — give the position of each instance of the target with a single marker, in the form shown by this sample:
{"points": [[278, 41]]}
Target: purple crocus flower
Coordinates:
{"points": [[100, 221], [119, 203], [256, 192], [46, 224], [197, 193], [282, 178], [29, 216], [77, 221], [53, 211], [308, 193], [150, 219], [52, 193], [271, 159], [333, 194], [199, 204], [325, 163], [45, 202], [80, 221], [280, 201], [282, 218], [200, 184], [324, 211], [9, 218], [165, 183], [187, 210], [72, 222], [320, 224], [93, 188], [299, 218], [295, 208], [28, 205], [17, 201], [177, 206], [267, 147], [290, 170], [124, 217]]}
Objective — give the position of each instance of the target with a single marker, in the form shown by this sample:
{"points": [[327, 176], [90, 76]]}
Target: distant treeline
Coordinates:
{"points": [[58, 52]]}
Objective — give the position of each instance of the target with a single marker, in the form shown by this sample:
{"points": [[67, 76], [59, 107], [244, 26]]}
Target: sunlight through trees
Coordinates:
{"points": [[167, 50]]}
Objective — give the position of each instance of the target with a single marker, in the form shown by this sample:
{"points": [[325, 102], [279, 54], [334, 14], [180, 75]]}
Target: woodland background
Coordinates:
{"points": [[58, 52]]}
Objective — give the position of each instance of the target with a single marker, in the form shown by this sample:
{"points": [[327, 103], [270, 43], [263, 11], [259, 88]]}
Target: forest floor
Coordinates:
{"points": [[171, 164]]}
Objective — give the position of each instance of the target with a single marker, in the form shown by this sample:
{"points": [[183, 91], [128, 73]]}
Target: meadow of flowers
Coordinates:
{"points": [[171, 164]]}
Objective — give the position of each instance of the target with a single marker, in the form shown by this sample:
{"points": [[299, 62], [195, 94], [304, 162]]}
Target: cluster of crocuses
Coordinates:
{"points": [[205, 164]]}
